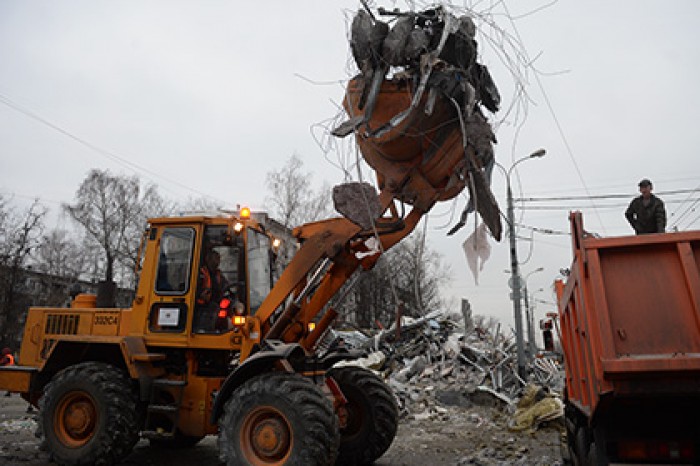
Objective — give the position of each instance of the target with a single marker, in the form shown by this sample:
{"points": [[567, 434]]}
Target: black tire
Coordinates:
{"points": [[583, 445], [569, 449], [278, 418], [88, 415], [592, 455], [372, 416]]}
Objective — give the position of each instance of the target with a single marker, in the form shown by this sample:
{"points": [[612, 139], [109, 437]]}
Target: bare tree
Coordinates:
{"points": [[150, 205], [20, 234], [418, 273], [113, 210], [200, 204], [412, 271], [62, 261], [292, 200], [59, 255]]}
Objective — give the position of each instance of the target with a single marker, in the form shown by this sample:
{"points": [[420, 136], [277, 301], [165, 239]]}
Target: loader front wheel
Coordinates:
{"points": [[278, 419], [371, 416], [88, 415]]}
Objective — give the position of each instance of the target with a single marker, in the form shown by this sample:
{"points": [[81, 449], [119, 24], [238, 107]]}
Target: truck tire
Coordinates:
{"points": [[372, 416], [592, 456], [581, 446], [570, 447], [88, 415], [278, 418]]}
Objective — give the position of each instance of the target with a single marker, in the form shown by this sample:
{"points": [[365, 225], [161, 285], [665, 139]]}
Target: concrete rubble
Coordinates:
{"points": [[434, 365]]}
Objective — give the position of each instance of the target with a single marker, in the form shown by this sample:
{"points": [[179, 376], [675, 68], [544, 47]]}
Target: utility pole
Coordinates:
{"points": [[515, 278]]}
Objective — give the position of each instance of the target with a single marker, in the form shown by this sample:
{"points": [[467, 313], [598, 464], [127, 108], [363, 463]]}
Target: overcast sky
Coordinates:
{"points": [[206, 97]]}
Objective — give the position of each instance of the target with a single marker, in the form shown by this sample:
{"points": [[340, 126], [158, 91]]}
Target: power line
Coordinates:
{"points": [[581, 207], [689, 210], [691, 223], [554, 115], [32, 198], [110, 155], [603, 196], [677, 220], [546, 231]]}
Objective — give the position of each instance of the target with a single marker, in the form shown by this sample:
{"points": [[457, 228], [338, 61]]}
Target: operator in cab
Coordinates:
{"points": [[210, 291]]}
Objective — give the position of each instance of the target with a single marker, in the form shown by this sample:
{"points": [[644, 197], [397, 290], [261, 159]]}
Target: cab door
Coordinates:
{"points": [[170, 306]]}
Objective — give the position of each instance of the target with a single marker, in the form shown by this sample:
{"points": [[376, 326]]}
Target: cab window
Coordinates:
{"points": [[259, 271], [220, 280], [173, 274]]}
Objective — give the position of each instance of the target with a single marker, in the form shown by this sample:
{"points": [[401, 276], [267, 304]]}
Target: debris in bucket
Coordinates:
{"points": [[420, 97]]}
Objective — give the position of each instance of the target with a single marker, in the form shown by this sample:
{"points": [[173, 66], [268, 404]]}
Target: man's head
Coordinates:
{"points": [[6, 351], [212, 260], [645, 188]]}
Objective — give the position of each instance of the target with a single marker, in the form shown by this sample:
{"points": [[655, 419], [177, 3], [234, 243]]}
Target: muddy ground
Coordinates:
{"points": [[456, 436]]}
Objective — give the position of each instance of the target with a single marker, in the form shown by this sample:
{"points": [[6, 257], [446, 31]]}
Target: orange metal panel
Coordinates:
{"points": [[630, 309], [650, 309], [16, 379], [663, 363], [599, 324], [690, 259], [106, 322]]}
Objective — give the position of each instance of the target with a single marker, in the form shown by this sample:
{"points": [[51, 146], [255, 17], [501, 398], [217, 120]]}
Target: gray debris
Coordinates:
{"points": [[435, 363], [358, 202]]}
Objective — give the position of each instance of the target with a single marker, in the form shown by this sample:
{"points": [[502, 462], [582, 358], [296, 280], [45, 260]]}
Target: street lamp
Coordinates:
{"points": [[514, 268]]}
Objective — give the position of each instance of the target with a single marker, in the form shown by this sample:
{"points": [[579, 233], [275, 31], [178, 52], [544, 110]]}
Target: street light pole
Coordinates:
{"points": [[514, 266], [515, 279]]}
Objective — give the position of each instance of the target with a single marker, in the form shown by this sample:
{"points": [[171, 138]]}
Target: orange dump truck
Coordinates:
{"points": [[630, 331]]}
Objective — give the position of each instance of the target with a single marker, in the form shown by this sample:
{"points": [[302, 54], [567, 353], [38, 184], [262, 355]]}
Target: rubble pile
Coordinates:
{"points": [[434, 364]]}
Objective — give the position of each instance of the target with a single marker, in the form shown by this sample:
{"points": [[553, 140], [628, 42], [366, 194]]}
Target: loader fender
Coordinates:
{"points": [[65, 353], [331, 359], [260, 362]]}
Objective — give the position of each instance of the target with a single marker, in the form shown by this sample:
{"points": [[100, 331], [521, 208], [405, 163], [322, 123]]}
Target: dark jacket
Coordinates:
{"points": [[650, 218]]}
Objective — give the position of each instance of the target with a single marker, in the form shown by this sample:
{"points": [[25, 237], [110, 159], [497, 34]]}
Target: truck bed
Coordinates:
{"points": [[630, 316]]}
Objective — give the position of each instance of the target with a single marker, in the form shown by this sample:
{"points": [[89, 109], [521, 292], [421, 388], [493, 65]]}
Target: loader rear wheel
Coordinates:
{"points": [[275, 419], [372, 416], [88, 415]]}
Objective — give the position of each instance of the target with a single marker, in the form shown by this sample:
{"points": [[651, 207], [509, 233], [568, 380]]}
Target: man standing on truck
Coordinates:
{"points": [[646, 213]]}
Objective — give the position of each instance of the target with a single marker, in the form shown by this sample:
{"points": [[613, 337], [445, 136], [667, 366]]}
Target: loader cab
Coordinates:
{"points": [[203, 272]]}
